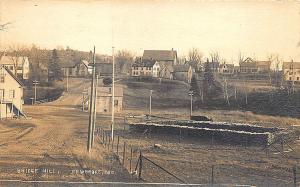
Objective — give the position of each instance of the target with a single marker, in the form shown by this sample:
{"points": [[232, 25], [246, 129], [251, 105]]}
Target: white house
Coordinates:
{"points": [[142, 68], [11, 94]]}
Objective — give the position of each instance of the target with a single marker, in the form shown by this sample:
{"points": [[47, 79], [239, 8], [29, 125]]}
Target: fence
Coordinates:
{"points": [[146, 167], [130, 157]]}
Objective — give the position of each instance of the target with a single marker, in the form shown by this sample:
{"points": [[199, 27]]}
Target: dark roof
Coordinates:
{"points": [[181, 68], [250, 62], [289, 65], [69, 64], [11, 74], [104, 68], [144, 63], [160, 55]]}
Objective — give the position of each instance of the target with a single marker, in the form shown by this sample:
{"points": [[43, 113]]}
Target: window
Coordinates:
{"points": [[109, 90], [1, 94], [297, 78], [2, 78], [11, 94], [11, 68], [116, 102]]}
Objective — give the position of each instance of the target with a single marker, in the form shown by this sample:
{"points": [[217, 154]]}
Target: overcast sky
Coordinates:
{"points": [[254, 28]]}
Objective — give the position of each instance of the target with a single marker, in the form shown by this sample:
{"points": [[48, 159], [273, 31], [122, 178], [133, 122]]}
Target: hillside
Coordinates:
{"points": [[168, 93]]}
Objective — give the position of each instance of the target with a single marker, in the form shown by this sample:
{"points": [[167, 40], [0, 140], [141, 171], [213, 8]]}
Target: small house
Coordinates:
{"points": [[226, 69], [183, 73], [104, 99], [250, 66], [291, 71]]}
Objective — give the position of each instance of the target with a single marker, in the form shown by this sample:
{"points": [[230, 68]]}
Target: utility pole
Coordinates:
{"points": [[67, 79], [191, 93], [293, 78], [150, 102], [91, 118], [95, 109], [85, 92], [113, 95], [35, 82]]}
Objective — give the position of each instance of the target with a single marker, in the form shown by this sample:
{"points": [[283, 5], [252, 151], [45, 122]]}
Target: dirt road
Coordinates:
{"points": [[51, 143]]}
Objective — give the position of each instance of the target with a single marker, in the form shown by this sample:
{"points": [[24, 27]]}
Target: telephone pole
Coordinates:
{"points": [[67, 80], [95, 108], [191, 93], [91, 117], [35, 82], [113, 94], [150, 103]]}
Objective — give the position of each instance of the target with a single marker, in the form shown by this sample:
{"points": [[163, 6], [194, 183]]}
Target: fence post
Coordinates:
{"points": [[180, 135], [212, 140], [105, 139], [118, 146], [103, 136], [124, 153], [130, 159], [108, 142], [140, 165], [282, 148], [112, 143], [212, 175], [295, 175]]}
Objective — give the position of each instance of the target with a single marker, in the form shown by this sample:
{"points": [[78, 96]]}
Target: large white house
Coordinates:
{"points": [[11, 94], [19, 66]]}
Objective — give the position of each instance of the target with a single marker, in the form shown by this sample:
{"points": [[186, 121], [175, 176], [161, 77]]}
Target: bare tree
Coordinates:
{"points": [[241, 57], [214, 56], [16, 52], [195, 57], [124, 60], [271, 62]]}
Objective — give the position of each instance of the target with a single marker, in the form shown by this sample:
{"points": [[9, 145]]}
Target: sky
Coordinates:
{"points": [[254, 28]]}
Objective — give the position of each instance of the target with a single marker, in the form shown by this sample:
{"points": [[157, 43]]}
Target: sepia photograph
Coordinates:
{"points": [[146, 93]]}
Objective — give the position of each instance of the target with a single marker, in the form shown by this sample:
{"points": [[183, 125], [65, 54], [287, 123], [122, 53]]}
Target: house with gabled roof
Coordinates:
{"points": [[226, 69], [166, 59], [11, 94], [250, 66], [19, 66], [142, 68], [183, 73]]}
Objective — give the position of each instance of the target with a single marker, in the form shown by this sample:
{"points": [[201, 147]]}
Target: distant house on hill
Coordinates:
{"points": [[166, 59], [226, 69], [183, 73], [19, 66], [143, 68], [11, 94], [291, 71], [76, 68], [84, 69], [250, 66], [70, 68], [104, 99]]}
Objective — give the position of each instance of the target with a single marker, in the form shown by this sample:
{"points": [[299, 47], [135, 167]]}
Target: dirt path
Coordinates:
{"points": [[51, 143]]}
